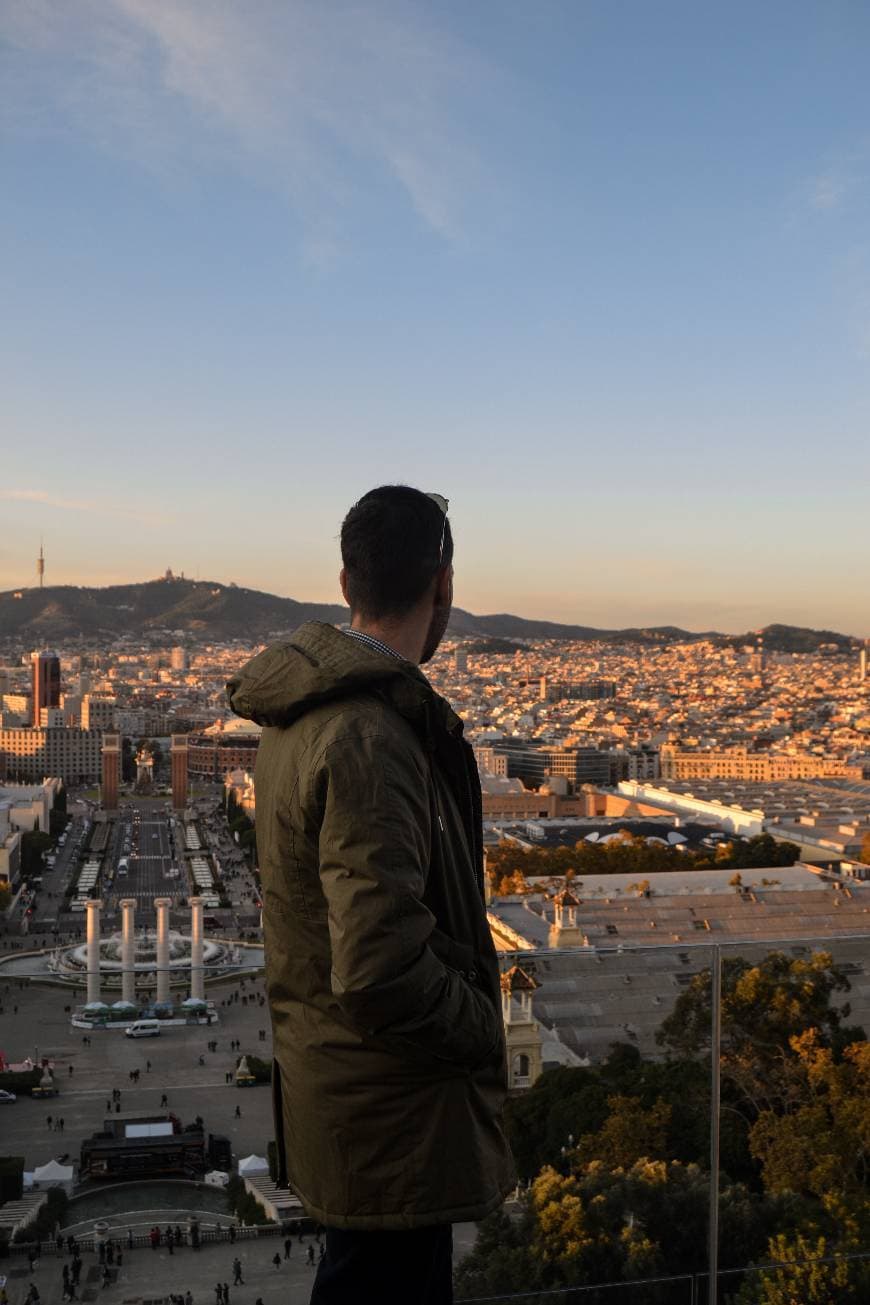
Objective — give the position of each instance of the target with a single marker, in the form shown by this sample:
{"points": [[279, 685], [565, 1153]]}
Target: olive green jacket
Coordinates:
{"points": [[383, 981]]}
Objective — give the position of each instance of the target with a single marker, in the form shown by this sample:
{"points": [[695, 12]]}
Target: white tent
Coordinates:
{"points": [[54, 1175], [253, 1166], [216, 1178]]}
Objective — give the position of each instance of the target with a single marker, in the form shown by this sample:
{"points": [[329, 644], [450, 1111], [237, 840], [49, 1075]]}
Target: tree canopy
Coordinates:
{"points": [[510, 866]]}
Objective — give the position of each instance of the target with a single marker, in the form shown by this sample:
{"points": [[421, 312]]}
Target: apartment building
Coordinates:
{"points": [[759, 767], [31, 753]]}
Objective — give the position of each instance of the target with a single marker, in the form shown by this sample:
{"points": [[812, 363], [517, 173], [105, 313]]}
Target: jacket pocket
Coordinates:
{"points": [[455, 955]]}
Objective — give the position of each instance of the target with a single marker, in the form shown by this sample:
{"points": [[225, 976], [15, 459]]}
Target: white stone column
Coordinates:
{"points": [[161, 906], [197, 974], [94, 906], [128, 949]]}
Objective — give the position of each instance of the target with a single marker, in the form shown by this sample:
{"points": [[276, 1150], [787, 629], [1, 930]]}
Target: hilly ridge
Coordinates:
{"points": [[211, 610]]}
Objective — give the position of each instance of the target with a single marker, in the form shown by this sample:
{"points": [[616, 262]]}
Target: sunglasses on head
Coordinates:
{"points": [[442, 504]]}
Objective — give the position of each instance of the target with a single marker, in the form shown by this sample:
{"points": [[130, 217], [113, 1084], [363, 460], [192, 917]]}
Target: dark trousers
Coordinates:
{"points": [[413, 1267]]}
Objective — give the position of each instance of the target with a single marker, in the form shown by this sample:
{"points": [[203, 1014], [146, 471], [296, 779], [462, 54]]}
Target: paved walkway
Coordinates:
{"points": [[147, 1275], [39, 1026]]}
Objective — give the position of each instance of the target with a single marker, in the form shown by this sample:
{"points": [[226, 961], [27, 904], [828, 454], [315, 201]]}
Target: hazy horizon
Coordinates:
{"points": [[505, 611], [598, 274]]}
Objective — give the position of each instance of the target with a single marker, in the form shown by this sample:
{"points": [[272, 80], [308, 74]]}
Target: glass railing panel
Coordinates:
{"points": [[795, 1088], [670, 1290]]}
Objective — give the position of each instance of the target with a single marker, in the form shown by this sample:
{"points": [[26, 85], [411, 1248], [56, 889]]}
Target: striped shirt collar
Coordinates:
{"points": [[375, 644]]}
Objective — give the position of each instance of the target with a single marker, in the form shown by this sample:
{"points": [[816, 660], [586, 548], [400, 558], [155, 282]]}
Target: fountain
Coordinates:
{"points": [[152, 959]]}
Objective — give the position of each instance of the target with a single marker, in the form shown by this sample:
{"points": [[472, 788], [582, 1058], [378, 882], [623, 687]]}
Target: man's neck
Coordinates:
{"points": [[404, 640]]}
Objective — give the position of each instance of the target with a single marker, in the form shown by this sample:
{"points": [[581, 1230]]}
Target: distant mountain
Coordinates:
{"points": [[208, 609], [798, 639]]}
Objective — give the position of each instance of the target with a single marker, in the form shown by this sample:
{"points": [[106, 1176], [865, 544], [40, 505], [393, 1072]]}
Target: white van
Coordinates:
{"points": [[143, 1029]]}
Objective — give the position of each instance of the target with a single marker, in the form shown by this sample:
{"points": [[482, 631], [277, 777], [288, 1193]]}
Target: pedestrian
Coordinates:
{"points": [[276, 1260], [147, 1066], [110, 1254], [232, 1232], [218, 1293], [179, 1235], [164, 1100], [108, 1107], [311, 1254], [70, 1071], [238, 1112], [129, 1239], [31, 1258], [188, 1297], [226, 1294], [119, 1257], [60, 1122], [288, 1247], [238, 1281], [48, 1122], [117, 1107], [322, 1251], [385, 787]]}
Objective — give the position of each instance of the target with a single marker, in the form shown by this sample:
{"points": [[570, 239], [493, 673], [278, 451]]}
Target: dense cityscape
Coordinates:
{"points": [[640, 800]]}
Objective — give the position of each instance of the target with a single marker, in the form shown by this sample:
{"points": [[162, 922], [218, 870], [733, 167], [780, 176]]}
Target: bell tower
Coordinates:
{"points": [[522, 1034], [564, 931]]}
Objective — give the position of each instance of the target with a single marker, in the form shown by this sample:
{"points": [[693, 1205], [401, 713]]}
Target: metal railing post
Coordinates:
{"points": [[715, 1079]]}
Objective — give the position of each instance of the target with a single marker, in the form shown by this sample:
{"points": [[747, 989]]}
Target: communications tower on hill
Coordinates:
{"points": [[40, 565]]}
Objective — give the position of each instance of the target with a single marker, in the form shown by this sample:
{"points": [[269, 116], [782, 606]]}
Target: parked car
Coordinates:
{"points": [[7, 1096]]}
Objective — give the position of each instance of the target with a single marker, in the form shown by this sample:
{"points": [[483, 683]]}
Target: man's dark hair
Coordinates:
{"points": [[389, 546]]}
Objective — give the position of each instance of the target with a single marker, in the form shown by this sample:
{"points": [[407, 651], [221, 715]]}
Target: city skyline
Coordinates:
{"points": [[600, 277], [338, 602]]}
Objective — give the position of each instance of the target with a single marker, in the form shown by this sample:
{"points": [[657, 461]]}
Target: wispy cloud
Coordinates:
{"points": [[828, 190], [321, 100], [842, 181], [94, 507]]}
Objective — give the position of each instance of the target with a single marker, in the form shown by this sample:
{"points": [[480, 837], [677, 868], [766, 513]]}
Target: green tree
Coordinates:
{"points": [[599, 1225], [630, 1133], [797, 1282], [34, 845], [821, 1146], [764, 1006]]}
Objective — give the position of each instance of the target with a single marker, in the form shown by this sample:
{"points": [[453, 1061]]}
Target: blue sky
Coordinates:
{"points": [[598, 272]]}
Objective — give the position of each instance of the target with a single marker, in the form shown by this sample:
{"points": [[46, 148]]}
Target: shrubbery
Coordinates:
{"points": [[242, 1204], [52, 1213]]}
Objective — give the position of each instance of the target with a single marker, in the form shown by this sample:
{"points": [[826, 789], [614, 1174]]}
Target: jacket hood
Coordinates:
{"points": [[321, 663]]}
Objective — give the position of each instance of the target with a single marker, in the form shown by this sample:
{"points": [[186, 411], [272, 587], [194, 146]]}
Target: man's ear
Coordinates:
{"points": [[444, 586], [342, 580]]}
